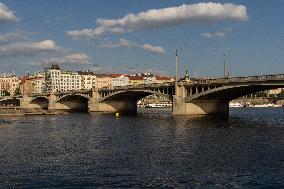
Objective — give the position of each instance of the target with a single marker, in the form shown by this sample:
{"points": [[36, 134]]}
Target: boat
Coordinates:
{"points": [[235, 104], [158, 105], [265, 105]]}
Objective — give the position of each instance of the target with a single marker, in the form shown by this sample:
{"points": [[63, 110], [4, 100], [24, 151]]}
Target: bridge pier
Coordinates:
{"points": [[113, 106], [197, 107], [204, 107], [52, 102]]}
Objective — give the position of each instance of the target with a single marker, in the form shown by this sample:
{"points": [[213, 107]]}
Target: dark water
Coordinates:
{"points": [[150, 150]]}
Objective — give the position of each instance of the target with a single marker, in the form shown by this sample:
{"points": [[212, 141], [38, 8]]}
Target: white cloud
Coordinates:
{"points": [[195, 13], [6, 14], [166, 17], [130, 44], [75, 58], [213, 35], [94, 33], [218, 34], [153, 49], [29, 48], [7, 37]]}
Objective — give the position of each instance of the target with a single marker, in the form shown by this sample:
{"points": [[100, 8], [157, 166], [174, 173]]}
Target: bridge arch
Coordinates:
{"points": [[123, 101], [131, 95], [230, 92], [40, 102], [73, 102]]}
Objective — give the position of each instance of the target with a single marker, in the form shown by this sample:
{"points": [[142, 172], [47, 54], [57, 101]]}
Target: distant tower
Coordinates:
{"points": [[186, 77]]}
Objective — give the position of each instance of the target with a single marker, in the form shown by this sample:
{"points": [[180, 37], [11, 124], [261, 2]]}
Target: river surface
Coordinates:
{"points": [[149, 150]]}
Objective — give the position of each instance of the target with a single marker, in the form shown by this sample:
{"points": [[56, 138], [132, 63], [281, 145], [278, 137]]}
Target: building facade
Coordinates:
{"points": [[32, 84], [8, 84], [88, 79], [136, 80], [57, 80], [103, 81], [119, 80]]}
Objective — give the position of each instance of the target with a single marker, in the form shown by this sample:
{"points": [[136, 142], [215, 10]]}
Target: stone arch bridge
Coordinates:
{"points": [[199, 96]]}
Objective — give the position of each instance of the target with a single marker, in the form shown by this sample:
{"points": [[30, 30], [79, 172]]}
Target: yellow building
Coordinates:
{"points": [[136, 80]]}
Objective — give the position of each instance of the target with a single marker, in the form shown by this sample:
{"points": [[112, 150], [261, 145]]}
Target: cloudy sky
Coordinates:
{"points": [[130, 36]]}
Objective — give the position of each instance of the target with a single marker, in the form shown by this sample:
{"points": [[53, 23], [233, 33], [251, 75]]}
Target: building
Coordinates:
{"points": [[119, 80], [32, 84], [149, 78], [136, 80], [88, 79], [103, 81], [57, 80], [8, 84], [163, 79]]}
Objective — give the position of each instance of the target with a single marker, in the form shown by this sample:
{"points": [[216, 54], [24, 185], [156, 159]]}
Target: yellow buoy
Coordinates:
{"points": [[116, 114]]}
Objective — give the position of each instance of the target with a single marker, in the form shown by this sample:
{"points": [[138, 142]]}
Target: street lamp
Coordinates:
{"points": [[225, 69], [176, 78]]}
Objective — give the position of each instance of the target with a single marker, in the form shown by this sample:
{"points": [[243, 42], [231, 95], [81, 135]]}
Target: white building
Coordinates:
{"points": [[149, 79], [119, 80], [8, 82], [88, 79], [57, 80]]}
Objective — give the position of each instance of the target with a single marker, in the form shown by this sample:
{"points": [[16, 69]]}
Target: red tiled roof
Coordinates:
{"points": [[102, 75], [135, 77], [163, 78]]}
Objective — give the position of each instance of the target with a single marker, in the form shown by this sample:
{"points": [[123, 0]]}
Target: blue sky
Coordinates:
{"points": [[143, 35]]}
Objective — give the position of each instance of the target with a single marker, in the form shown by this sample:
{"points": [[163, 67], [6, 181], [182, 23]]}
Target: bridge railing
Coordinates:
{"points": [[239, 79]]}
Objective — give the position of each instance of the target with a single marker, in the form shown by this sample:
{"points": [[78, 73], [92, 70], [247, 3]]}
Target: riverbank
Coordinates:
{"points": [[12, 111]]}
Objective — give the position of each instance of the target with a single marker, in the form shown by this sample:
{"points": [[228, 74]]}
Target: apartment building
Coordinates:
{"points": [[32, 84], [103, 81], [136, 80], [163, 79], [8, 83], [88, 79], [119, 80], [57, 80]]}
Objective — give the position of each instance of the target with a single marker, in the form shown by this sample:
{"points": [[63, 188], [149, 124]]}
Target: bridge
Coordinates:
{"points": [[198, 96]]}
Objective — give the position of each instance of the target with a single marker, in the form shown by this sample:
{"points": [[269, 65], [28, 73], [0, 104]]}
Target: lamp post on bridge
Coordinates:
{"points": [[226, 72], [176, 77], [225, 69]]}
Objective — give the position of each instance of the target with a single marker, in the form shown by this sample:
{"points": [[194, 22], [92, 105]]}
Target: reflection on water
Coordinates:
{"points": [[151, 149]]}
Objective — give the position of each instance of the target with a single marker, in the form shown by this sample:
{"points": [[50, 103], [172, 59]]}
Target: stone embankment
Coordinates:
{"points": [[6, 111], [257, 101]]}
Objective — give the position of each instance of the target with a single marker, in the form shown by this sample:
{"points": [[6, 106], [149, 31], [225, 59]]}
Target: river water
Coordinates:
{"points": [[151, 150]]}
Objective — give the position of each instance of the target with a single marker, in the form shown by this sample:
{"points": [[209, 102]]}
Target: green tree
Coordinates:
{"points": [[5, 93], [17, 91]]}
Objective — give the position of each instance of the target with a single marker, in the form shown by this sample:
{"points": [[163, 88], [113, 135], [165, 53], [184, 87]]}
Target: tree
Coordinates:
{"points": [[17, 91], [5, 93]]}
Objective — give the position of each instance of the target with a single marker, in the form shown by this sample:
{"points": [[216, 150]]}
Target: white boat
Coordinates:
{"points": [[158, 105], [235, 104], [265, 105]]}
